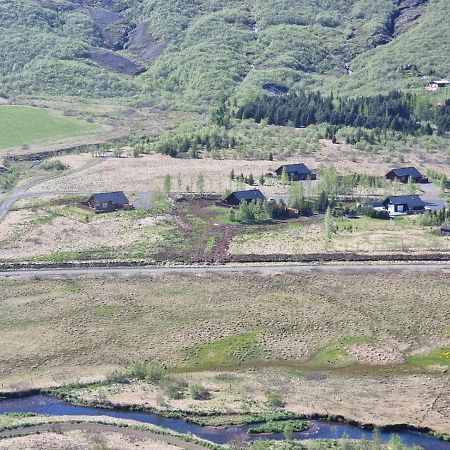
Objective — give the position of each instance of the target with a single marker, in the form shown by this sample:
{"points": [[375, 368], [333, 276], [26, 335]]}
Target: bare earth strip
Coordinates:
{"points": [[84, 436]]}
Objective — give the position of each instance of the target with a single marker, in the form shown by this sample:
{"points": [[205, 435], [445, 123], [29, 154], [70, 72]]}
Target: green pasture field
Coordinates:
{"points": [[25, 125]]}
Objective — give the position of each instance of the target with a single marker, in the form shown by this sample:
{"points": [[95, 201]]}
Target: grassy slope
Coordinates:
{"points": [[25, 125], [217, 47]]}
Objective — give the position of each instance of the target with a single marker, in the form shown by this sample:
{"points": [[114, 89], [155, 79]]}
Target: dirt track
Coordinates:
{"points": [[99, 428], [142, 271], [24, 191]]}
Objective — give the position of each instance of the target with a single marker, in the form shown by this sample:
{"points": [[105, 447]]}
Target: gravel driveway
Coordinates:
{"points": [[432, 196]]}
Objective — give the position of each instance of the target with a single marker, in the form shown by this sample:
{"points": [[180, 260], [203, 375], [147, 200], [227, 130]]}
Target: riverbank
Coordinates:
{"points": [[101, 395], [372, 400]]}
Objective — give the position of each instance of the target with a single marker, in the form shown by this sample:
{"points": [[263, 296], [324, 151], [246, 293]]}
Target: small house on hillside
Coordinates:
{"points": [[404, 204], [108, 202], [296, 172], [235, 198], [436, 85], [403, 174]]}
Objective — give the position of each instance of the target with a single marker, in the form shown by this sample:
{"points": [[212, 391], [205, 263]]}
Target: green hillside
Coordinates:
{"points": [[22, 125], [189, 53]]}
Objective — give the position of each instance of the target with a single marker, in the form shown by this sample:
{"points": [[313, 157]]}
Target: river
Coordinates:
{"points": [[53, 406]]}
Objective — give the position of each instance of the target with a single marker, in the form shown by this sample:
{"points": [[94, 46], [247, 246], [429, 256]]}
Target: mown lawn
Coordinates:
{"points": [[24, 125]]}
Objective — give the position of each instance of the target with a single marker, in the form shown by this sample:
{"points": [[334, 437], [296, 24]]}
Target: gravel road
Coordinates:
{"points": [[268, 269]]}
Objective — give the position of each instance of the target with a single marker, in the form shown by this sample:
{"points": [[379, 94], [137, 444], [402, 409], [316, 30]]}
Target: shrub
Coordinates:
{"points": [[55, 164], [118, 376], [174, 388], [291, 426], [199, 392], [275, 399], [375, 213], [146, 371]]}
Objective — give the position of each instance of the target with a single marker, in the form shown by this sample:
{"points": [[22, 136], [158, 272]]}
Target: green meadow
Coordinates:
{"points": [[24, 125]]}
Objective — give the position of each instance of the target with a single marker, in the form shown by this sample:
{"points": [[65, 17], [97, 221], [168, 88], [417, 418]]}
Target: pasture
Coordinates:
{"points": [[25, 125]]}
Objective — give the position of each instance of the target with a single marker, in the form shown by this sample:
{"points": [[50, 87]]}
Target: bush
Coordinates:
{"points": [[280, 427], [118, 376], [174, 388], [146, 371], [55, 164], [199, 392], [275, 399], [375, 213]]}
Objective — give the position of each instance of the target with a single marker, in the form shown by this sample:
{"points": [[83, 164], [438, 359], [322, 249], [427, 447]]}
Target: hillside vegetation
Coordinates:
{"points": [[189, 53]]}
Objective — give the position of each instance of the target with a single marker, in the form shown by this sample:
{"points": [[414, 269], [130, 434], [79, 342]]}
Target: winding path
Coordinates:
{"points": [[24, 191], [95, 428]]}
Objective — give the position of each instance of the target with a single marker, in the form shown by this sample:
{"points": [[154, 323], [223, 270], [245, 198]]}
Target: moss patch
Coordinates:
{"points": [[437, 357], [226, 352], [335, 354]]}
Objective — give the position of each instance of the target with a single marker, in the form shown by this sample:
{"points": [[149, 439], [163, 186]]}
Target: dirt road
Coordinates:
{"points": [[100, 428], [24, 191], [268, 269]]}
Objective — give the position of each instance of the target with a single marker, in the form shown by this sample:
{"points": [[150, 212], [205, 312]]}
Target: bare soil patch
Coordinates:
{"points": [[202, 236], [141, 43], [117, 62]]}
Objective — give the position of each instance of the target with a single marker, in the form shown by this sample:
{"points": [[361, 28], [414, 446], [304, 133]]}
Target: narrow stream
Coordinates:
{"points": [[42, 404]]}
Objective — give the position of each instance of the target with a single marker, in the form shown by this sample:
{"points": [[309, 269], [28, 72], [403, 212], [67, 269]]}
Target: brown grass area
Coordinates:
{"points": [[331, 343], [47, 226], [361, 236], [381, 399], [84, 433], [49, 325], [347, 158], [147, 172]]}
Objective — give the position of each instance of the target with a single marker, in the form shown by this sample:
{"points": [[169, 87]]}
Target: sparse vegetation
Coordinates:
{"points": [[232, 335]]}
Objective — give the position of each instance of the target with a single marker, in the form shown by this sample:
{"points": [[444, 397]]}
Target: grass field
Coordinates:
{"points": [[23, 125], [352, 235], [293, 332]]}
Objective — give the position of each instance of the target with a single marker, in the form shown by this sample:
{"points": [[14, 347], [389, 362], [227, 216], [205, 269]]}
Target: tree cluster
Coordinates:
{"points": [[395, 111], [373, 213], [435, 218], [253, 212]]}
